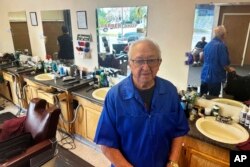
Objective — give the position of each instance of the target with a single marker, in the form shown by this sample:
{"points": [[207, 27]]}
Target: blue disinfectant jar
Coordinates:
{"points": [[61, 70]]}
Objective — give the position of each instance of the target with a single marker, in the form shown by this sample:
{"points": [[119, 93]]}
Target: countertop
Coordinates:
{"points": [[84, 93], [6, 66], [17, 70], [60, 84], [84, 90]]}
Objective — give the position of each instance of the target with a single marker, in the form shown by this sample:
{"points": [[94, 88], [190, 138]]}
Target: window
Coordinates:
{"points": [[203, 23], [116, 27]]}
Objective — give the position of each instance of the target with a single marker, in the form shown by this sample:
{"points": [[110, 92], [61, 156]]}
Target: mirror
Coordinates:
{"points": [[19, 31], [117, 27], [52, 22], [236, 18]]}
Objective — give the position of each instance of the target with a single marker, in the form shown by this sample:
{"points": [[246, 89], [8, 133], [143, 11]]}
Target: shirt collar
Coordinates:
{"points": [[217, 39], [128, 90]]}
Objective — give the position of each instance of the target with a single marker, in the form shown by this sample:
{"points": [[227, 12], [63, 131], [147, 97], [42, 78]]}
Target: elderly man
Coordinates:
{"points": [[216, 63], [142, 123]]}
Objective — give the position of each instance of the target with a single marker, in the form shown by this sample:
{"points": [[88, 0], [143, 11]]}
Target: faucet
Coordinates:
{"points": [[224, 119]]}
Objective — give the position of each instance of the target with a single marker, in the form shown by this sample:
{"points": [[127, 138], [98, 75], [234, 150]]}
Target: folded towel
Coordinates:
{"points": [[245, 146], [12, 127]]}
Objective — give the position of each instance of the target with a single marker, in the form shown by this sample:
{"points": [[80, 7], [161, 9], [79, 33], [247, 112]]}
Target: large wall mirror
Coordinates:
{"points": [[236, 19], [19, 31], [52, 21], [116, 29]]}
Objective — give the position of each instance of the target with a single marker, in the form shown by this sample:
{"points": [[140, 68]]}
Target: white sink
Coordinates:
{"points": [[225, 133], [100, 93], [44, 77], [229, 102]]}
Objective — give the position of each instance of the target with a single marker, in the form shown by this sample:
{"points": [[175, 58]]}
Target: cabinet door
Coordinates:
{"points": [[15, 94], [66, 115], [5, 91], [183, 161], [80, 122], [92, 118], [199, 159], [196, 153], [13, 88], [31, 93]]}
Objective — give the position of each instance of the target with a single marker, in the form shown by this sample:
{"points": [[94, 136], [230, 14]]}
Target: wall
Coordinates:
{"points": [[170, 23]]}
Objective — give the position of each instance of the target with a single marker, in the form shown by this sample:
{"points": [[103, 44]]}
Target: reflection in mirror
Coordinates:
{"points": [[116, 29], [52, 22], [236, 18], [19, 31]]}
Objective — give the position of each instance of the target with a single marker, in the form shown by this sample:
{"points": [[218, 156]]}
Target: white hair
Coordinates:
{"points": [[146, 40], [220, 31]]}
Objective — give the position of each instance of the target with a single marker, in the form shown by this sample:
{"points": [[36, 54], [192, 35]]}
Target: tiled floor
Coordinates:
{"points": [[83, 148], [88, 151]]}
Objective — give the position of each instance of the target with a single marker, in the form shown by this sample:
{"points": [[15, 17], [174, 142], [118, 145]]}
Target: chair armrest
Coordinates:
{"points": [[121, 56], [25, 157]]}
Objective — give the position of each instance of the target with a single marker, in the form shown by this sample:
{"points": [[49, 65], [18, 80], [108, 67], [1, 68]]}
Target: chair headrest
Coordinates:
{"points": [[41, 122]]}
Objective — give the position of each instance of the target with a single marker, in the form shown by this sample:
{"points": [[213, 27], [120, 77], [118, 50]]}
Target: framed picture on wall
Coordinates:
{"points": [[82, 19], [33, 19]]}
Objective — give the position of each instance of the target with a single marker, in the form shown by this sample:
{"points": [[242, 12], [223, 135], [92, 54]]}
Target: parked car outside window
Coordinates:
{"points": [[128, 37]]}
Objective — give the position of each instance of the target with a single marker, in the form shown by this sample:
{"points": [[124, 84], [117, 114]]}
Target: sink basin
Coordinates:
{"points": [[224, 133], [229, 102], [100, 93], [44, 77]]}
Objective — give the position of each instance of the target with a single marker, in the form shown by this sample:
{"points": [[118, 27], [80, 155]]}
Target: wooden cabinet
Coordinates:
{"points": [[87, 118], [80, 122], [53, 97], [34, 90], [5, 88], [200, 154], [16, 88], [92, 118]]}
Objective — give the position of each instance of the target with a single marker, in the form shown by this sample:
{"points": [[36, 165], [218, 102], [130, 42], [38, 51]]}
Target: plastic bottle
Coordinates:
{"points": [[61, 70], [184, 105], [215, 110], [243, 114], [50, 65], [53, 66], [45, 66], [247, 120]]}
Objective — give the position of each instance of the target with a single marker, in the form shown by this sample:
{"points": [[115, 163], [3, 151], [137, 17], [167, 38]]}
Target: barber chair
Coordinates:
{"points": [[41, 124]]}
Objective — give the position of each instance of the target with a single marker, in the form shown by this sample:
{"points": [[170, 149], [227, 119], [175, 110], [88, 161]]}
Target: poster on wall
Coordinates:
{"points": [[82, 20], [84, 37]]}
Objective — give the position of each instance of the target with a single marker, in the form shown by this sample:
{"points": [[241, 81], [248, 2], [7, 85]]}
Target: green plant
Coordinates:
{"points": [[191, 97]]}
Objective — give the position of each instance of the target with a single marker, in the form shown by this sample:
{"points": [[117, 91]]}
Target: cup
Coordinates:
{"points": [[207, 111]]}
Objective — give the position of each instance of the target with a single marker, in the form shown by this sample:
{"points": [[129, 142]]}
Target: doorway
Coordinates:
{"points": [[52, 23], [19, 31], [237, 40]]}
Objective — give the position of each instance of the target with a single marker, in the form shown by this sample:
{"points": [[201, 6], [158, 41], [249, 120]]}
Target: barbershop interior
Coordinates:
{"points": [[51, 102]]}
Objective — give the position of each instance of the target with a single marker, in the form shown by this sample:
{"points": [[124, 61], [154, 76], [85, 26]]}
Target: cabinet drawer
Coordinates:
{"points": [[8, 77], [51, 97], [40, 86]]}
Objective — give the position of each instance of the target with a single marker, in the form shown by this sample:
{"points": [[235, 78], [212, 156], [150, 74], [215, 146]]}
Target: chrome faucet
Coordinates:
{"points": [[224, 119]]}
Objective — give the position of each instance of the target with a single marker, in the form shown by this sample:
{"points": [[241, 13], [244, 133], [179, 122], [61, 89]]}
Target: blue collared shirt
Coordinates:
{"points": [[143, 137], [216, 58]]}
